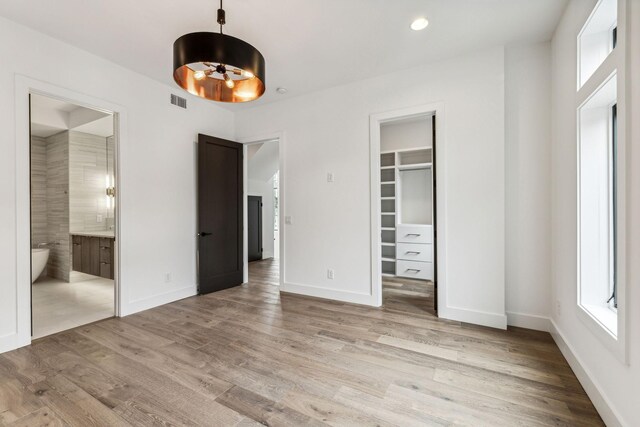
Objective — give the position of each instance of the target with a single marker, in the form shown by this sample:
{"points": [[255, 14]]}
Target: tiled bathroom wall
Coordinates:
{"points": [[57, 150], [88, 206], [38, 190], [111, 159]]}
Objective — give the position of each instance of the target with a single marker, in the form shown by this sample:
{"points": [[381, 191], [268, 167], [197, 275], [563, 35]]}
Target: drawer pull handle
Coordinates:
{"points": [[413, 234], [413, 253], [414, 270]]}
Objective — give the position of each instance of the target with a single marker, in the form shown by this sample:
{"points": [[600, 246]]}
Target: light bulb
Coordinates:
{"points": [[199, 75], [248, 74], [419, 24], [228, 81], [245, 94]]}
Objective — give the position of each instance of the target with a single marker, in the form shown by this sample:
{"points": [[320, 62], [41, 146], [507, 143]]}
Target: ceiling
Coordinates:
{"points": [[51, 116], [308, 45]]}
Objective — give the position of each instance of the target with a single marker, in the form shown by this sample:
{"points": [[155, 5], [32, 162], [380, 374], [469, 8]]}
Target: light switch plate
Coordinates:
{"points": [[288, 220], [330, 177], [99, 218]]}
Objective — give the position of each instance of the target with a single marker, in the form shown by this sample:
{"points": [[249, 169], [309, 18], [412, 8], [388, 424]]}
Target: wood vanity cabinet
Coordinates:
{"points": [[93, 255]]}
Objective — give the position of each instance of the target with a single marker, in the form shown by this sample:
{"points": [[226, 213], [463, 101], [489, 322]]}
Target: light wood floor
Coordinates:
{"points": [[249, 356], [406, 296]]}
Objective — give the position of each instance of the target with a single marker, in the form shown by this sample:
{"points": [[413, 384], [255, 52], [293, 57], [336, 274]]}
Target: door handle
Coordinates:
{"points": [[412, 253], [203, 234]]}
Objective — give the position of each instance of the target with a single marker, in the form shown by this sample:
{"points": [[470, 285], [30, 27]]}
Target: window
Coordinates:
{"points": [[597, 39], [598, 205], [613, 300]]}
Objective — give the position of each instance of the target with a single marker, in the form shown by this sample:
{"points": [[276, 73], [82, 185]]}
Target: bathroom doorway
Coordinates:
{"points": [[73, 214]]}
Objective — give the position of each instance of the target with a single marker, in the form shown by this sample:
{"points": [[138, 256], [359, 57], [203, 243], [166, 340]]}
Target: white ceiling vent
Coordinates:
{"points": [[179, 101]]}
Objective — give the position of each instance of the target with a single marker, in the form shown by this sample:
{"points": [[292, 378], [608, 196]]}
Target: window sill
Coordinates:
{"points": [[601, 320], [604, 316]]}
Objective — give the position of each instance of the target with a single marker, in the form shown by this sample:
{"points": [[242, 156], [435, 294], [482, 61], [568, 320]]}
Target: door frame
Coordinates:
{"points": [[26, 86], [246, 141], [375, 121]]}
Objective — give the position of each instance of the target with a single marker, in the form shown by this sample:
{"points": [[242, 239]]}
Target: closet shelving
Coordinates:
{"points": [[414, 168], [388, 210]]}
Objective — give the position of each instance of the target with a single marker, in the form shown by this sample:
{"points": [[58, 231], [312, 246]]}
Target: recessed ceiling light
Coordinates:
{"points": [[419, 24], [281, 90]]}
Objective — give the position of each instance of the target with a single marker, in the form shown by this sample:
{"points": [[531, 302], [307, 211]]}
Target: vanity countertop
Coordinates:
{"points": [[105, 233]]}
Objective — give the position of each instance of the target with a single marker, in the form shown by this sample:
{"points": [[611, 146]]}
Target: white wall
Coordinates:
{"points": [[157, 168], [330, 221], [264, 189], [528, 184], [612, 385]]}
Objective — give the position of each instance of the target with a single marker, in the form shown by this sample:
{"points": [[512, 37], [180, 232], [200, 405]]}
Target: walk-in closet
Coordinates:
{"points": [[407, 211]]}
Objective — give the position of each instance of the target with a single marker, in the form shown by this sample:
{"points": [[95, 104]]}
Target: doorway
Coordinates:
{"points": [[405, 243], [72, 214], [263, 211]]}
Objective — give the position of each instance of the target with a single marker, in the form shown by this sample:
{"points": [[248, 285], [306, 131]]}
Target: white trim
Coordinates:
{"points": [[616, 344], [603, 405], [332, 294], [281, 138], [375, 120], [158, 300], [492, 320], [24, 86], [528, 321]]}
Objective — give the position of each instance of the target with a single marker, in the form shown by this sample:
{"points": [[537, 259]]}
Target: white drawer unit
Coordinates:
{"points": [[414, 269], [414, 233], [415, 252]]}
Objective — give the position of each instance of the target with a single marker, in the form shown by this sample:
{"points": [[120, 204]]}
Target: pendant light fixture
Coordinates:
{"points": [[218, 67]]}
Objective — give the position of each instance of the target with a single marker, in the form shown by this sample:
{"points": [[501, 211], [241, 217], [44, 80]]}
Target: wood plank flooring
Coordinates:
{"points": [[408, 296], [250, 356]]}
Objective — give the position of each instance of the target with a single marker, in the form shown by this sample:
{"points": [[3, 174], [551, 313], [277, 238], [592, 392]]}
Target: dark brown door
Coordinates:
{"points": [[254, 226], [219, 214]]}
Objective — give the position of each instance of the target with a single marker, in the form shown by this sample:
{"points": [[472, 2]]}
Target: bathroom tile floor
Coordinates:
{"points": [[58, 305]]}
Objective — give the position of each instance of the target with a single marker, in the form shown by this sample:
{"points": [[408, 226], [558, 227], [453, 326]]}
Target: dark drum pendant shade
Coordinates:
{"points": [[218, 67]]}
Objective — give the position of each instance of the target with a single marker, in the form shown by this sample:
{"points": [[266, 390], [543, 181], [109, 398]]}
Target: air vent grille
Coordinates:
{"points": [[179, 101]]}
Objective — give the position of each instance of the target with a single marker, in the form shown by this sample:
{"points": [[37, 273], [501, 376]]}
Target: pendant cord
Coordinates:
{"points": [[221, 17]]}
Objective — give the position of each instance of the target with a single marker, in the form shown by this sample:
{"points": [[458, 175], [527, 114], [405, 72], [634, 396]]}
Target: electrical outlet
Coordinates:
{"points": [[330, 274], [167, 278], [330, 177], [558, 308]]}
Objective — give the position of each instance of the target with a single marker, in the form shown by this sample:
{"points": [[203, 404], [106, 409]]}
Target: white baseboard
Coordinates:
{"points": [[590, 385], [11, 342], [333, 294], [528, 321], [492, 320], [157, 300]]}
